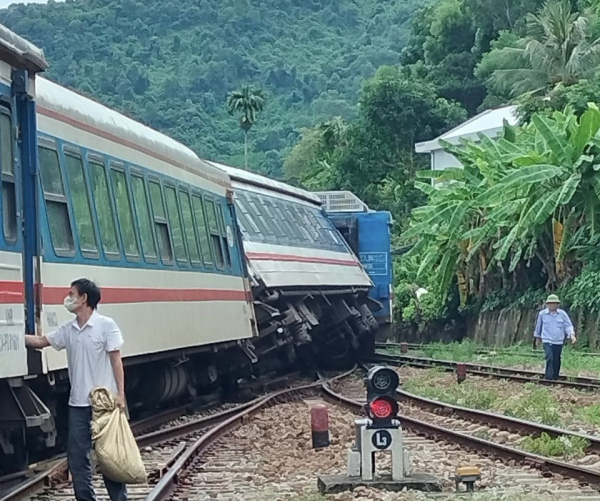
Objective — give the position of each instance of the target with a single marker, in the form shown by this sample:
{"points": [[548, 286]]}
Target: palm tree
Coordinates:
{"points": [[247, 101], [560, 50]]}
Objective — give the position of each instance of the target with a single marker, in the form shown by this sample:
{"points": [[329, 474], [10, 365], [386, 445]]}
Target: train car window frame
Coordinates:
{"points": [[278, 208], [72, 152], [161, 223], [222, 225], [213, 231], [197, 203], [10, 213], [104, 209], [56, 203], [189, 230], [294, 219], [148, 248], [254, 202], [174, 216], [117, 169], [248, 224], [263, 232], [269, 208], [302, 227]]}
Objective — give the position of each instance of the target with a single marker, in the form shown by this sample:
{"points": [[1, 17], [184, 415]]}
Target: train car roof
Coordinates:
{"points": [[246, 177], [19, 52], [68, 106]]}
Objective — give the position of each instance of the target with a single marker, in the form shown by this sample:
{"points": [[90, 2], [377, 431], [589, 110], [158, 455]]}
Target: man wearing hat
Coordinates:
{"points": [[552, 328]]}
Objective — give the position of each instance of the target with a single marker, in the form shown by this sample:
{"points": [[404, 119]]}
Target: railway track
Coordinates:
{"points": [[519, 375], [164, 426], [427, 427], [478, 351], [174, 455]]}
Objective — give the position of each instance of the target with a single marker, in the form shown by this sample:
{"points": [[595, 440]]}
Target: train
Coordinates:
{"points": [[213, 274]]}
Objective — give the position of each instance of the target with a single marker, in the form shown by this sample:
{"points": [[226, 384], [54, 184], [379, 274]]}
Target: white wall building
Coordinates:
{"points": [[490, 123]]}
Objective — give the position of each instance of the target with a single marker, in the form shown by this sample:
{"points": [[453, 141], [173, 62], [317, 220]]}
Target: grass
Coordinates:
{"points": [[466, 394], [573, 360], [564, 447], [537, 404], [589, 414], [531, 403]]}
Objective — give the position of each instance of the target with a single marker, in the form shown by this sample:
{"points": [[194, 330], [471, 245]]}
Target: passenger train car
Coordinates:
{"points": [[132, 209], [210, 280], [308, 285]]}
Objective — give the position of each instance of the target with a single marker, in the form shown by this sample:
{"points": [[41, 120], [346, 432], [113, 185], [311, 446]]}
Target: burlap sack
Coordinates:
{"points": [[117, 453]]}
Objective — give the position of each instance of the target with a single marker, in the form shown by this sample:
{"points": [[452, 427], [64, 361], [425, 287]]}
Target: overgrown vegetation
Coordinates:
{"points": [[524, 401], [564, 447], [574, 361]]}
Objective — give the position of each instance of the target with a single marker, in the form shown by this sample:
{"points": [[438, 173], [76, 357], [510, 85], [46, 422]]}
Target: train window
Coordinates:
{"points": [[175, 223], [213, 228], [104, 209], [203, 237], [280, 229], [189, 227], [253, 214], [285, 223], [56, 202], [9, 192], [303, 226], [160, 222], [81, 204], [311, 224], [140, 202], [223, 235], [121, 193], [297, 225], [247, 222], [266, 224]]}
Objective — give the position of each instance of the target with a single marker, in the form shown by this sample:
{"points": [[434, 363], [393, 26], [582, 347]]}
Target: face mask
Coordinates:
{"points": [[70, 303]]}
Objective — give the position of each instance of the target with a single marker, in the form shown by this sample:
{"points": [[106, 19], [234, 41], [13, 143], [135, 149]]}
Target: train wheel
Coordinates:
{"points": [[337, 354], [19, 460]]}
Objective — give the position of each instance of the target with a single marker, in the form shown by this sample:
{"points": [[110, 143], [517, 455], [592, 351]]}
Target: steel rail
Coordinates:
{"points": [[39, 480], [171, 479], [521, 375], [477, 351], [500, 421], [584, 475]]}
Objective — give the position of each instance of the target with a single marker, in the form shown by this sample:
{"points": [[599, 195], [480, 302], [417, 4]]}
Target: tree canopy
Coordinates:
{"points": [[172, 63]]}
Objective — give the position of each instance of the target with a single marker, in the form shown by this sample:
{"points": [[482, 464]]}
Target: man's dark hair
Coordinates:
{"points": [[85, 286]]}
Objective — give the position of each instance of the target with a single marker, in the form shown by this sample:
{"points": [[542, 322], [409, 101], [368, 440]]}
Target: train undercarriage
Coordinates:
{"points": [[298, 329]]}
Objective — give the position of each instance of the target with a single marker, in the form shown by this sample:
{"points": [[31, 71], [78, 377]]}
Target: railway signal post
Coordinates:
{"points": [[379, 431]]}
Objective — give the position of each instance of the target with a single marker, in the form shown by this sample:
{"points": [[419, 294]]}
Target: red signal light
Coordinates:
{"points": [[383, 408]]}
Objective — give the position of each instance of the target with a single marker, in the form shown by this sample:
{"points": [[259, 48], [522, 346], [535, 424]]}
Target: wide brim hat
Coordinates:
{"points": [[552, 298]]}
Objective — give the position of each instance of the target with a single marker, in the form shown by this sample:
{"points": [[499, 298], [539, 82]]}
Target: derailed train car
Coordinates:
{"points": [[88, 192], [309, 288]]}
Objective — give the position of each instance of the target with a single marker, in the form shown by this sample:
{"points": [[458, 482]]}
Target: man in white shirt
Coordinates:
{"points": [[93, 343]]}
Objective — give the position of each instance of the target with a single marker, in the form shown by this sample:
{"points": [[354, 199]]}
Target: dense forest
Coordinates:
{"points": [[172, 63]]}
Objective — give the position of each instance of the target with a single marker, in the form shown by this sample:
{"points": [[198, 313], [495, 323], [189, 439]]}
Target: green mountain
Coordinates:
{"points": [[171, 63]]}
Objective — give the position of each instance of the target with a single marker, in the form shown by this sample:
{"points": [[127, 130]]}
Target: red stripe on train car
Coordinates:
{"points": [[12, 292], [269, 256]]}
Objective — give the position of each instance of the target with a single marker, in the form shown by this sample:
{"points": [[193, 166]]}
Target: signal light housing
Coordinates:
{"points": [[382, 405]]}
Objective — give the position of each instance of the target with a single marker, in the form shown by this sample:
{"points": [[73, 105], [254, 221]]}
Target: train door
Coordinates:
{"points": [[13, 356], [19, 62]]}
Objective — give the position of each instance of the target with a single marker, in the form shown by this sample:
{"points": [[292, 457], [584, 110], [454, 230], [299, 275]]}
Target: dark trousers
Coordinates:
{"points": [[553, 353], [79, 448]]}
